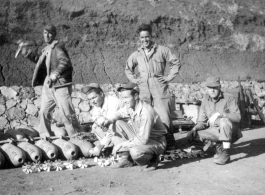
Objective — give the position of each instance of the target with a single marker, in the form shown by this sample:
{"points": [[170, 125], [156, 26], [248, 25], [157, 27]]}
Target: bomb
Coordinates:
{"points": [[15, 155], [2, 160], [83, 145], [17, 135], [66, 149], [33, 153], [49, 150], [28, 131]]}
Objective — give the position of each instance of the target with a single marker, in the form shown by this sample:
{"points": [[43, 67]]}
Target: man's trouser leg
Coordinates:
{"points": [[223, 132], [141, 154], [64, 101], [47, 106]]}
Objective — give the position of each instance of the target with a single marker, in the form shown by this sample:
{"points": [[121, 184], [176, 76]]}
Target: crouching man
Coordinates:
{"points": [[143, 136], [104, 107], [218, 121]]}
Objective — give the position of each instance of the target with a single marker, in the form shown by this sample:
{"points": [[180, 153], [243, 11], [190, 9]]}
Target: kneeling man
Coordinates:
{"points": [[143, 136], [218, 121], [104, 106]]}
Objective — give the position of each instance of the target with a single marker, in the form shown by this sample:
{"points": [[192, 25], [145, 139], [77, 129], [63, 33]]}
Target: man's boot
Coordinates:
{"points": [[223, 157], [153, 164], [124, 161], [218, 150], [171, 144]]}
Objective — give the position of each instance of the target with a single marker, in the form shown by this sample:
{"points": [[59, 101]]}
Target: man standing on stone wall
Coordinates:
{"points": [[151, 60], [218, 121], [54, 71]]}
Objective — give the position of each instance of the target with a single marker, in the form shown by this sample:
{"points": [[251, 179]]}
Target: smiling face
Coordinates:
{"points": [[129, 99], [48, 37], [214, 91], [145, 38], [96, 99]]}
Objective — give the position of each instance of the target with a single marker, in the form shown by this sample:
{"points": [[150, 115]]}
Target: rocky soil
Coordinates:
{"points": [[224, 37]]}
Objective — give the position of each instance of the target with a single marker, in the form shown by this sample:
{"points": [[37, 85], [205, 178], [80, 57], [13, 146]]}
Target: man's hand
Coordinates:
{"points": [[213, 118], [54, 76], [116, 148], [95, 151], [192, 134]]}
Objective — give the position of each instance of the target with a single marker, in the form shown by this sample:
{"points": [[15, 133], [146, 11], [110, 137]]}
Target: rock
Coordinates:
{"points": [[37, 102], [85, 117], [3, 122], [32, 109], [38, 90], [8, 92], [24, 104], [2, 99], [15, 113], [33, 121], [16, 88], [78, 87], [10, 103], [2, 109], [27, 92], [14, 124], [76, 101], [80, 95], [84, 106]]}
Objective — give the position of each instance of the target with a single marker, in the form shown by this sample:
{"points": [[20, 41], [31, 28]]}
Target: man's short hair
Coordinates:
{"points": [[92, 87], [133, 91], [129, 87], [51, 29], [144, 27]]}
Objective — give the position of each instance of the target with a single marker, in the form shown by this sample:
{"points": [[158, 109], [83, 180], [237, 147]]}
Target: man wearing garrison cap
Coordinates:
{"points": [[142, 138], [54, 71], [218, 121]]}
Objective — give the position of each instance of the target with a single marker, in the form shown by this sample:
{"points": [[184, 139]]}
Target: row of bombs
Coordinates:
{"points": [[16, 152]]}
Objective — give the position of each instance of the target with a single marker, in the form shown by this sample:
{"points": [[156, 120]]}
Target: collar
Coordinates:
{"points": [[153, 46], [221, 96], [50, 46], [139, 107]]}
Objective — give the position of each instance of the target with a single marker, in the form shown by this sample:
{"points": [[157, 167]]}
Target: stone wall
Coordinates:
{"points": [[20, 105]]}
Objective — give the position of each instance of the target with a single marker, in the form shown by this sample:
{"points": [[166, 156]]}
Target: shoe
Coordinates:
{"points": [[218, 150], [124, 161], [153, 164], [223, 157], [207, 145]]}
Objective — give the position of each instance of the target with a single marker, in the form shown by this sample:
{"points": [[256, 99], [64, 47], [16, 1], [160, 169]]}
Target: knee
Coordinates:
{"points": [[139, 156], [225, 123], [118, 125]]}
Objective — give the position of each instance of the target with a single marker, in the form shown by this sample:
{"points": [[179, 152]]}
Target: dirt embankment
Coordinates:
{"points": [[224, 37]]}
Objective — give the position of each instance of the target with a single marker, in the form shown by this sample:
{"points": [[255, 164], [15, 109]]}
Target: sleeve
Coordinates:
{"points": [[119, 114], [202, 118], [64, 62], [114, 105], [233, 113], [174, 63], [33, 56], [130, 67], [146, 125]]}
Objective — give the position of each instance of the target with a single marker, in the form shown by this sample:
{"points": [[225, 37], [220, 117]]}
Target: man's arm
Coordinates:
{"points": [[202, 118], [234, 113], [129, 68], [64, 62], [174, 64]]}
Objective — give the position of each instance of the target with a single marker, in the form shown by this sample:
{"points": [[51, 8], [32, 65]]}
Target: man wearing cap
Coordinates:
{"points": [[104, 106], [54, 71], [142, 138], [151, 60], [218, 121]]}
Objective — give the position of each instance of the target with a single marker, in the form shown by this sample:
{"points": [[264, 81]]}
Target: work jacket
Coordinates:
{"points": [[226, 105], [150, 68], [146, 122], [54, 58]]}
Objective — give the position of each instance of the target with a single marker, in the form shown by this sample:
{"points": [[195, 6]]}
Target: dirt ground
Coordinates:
{"points": [[244, 175]]}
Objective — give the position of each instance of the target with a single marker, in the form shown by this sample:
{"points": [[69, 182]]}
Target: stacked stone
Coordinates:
{"points": [[19, 106]]}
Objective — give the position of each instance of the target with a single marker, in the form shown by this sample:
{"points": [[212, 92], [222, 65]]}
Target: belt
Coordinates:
{"points": [[148, 74]]}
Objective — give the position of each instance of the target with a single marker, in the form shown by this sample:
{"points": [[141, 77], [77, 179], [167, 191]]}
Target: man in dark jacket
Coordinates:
{"points": [[54, 71], [218, 120]]}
